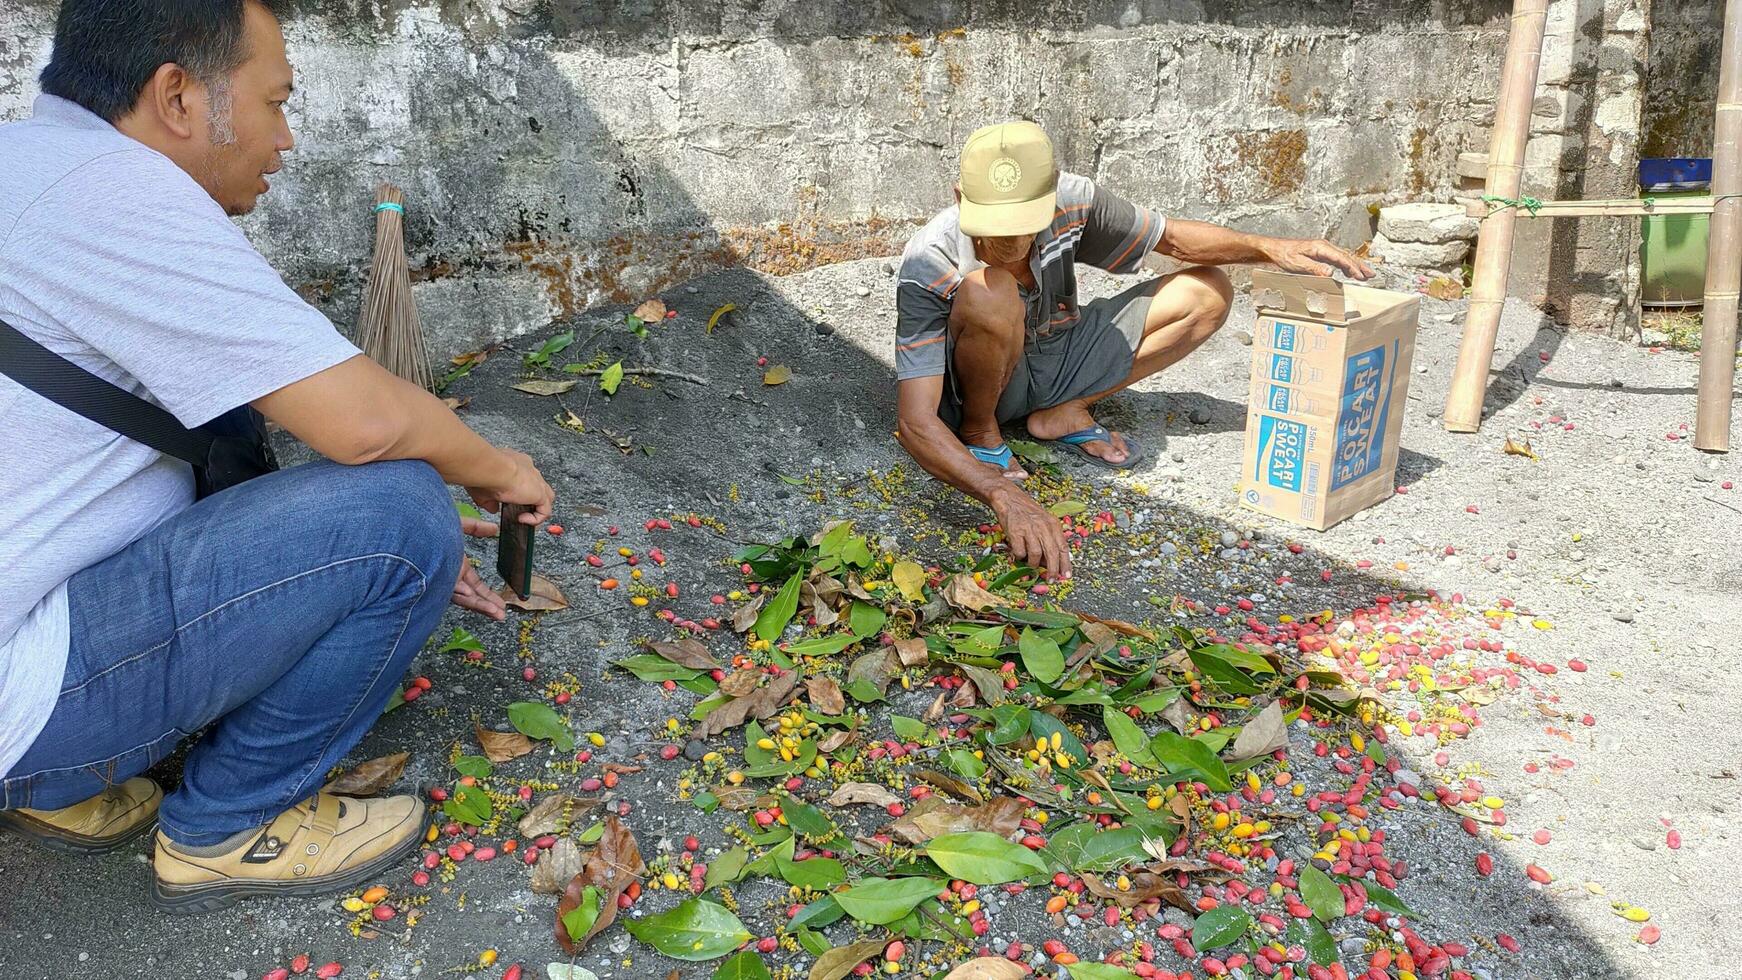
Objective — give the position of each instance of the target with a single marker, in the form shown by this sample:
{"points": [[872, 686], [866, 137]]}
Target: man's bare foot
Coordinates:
{"points": [[1073, 416], [990, 442]]}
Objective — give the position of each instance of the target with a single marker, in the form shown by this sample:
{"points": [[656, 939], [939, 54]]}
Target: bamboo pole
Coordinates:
{"points": [[1494, 243], [1723, 249]]}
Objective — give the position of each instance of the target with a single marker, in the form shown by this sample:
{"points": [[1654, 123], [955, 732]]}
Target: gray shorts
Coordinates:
{"points": [[1091, 357]]}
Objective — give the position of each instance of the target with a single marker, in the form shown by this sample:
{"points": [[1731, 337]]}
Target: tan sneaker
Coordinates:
{"points": [[322, 845], [101, 823]]}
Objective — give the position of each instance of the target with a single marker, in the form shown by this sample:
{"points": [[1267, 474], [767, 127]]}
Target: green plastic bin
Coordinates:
{"points": [[1672, 248]]}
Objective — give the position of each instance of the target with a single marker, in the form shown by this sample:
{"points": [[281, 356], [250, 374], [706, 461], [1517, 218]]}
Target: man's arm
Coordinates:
{"points": [[357, 412], [1202, 243], [1034, 536]]}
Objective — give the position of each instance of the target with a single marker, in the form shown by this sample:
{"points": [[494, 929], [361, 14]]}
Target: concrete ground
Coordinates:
{"points": [[1618, 538]]}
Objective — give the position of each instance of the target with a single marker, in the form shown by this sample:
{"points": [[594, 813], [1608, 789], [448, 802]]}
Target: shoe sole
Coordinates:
{"points": [[58, 840], [210, 897]]}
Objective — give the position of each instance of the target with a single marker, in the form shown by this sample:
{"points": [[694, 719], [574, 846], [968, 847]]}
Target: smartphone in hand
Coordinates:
{"points": [[514, 550]]}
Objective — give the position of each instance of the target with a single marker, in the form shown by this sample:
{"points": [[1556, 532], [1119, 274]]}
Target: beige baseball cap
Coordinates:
{"points": [[1009, 181]]}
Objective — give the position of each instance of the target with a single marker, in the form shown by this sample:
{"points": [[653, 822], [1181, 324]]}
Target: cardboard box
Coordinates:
{"points": [[1330, 379]]}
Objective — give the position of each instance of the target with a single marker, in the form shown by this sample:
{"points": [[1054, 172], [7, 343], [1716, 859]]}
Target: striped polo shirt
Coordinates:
{"points": [[1089, 224]]}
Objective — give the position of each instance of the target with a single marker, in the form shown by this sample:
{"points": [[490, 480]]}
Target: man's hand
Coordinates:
{"points": [[470, 592], [523, 485], [1314, 257], [1034, 536]]}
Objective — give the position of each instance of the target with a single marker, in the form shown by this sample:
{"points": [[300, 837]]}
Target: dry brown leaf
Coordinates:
{"points": [[741, 682], [545, 597], [686, 652], [878, 667], [1445, 287], [840, 961], [912, 651], [456, 403], [825, 695], [966, 697], [650, 311], [1519, 447], [936, 711], [851, 793], [369, 778], [760, 703], [835, 740], [611, 866], [540, 386], [553, 814], [556, 867], [745, 617], [1145, 885], [951, 785], [965, 593], [988, 968], [502, 746], [736, 798], [1262, 735], [935, 816], [1119, 626], [777, 375]]}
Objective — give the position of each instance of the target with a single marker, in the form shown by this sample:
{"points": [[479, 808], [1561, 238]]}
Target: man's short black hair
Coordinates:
{"points": [[106, 50]]}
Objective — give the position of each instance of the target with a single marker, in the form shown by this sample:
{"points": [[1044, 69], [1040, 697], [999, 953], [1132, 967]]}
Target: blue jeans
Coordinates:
{"points": [[282, 612]]}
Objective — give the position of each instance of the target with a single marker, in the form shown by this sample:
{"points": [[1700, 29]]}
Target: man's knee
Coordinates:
{"points": [[408, 501], [1215, 295], [987, 303]]}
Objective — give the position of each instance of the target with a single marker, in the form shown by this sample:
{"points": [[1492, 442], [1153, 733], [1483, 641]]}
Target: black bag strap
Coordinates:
{"points": [[77, 390]]}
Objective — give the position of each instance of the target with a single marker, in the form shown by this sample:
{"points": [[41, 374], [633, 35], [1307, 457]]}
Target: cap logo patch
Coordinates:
{"points": [[1004, 174]]}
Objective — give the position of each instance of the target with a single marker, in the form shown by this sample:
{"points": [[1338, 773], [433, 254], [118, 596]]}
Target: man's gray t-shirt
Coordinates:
{"points": [[116, 259]]}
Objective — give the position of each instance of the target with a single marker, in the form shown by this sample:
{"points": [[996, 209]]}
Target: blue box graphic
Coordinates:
{"points": [[1281, 453], [1278, 400], [1366, 403], [1281, 368], [1282, 336]]}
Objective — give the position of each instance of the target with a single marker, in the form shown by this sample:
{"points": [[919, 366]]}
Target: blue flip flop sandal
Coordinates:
{"points": [[1075, 441], [1000, 457]]}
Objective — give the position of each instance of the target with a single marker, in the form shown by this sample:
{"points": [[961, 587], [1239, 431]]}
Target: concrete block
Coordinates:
{"points": [[1417, 255], [1426, 223]]}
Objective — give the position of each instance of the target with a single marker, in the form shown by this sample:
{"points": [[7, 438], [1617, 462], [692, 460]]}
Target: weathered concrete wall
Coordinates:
{"points": [[1682, 80], [557, 154]]}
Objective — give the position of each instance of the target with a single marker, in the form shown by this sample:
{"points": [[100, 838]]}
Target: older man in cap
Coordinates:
{"points": [[990, 327]]}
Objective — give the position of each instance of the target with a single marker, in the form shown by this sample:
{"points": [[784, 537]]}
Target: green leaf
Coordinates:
{"points": [[1009, 723], [1320, 893], [745, 966], [1317, 940], [983, 858], [864, 691], [774, 616], [1029, 452], [653, 667], [814, 942], [726, 868], [469, 804], [475, 766], [908, 729], [1384, 897], [1220, 926], [1127, 737], [965, 764], [553, 346], [880, 901], [866, 619], [467, 510], [1182, 756], [696, 930], [822, 646], [592, 834], [1067, 508], [1087, 847], [581, 918], [1041, 656], [1099, 971], [1042, 725], [1152, 703], [459, 639], [535, 719], [822, 912], [806, 819], [610, 378], [1044, 618], [816, 872]]}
